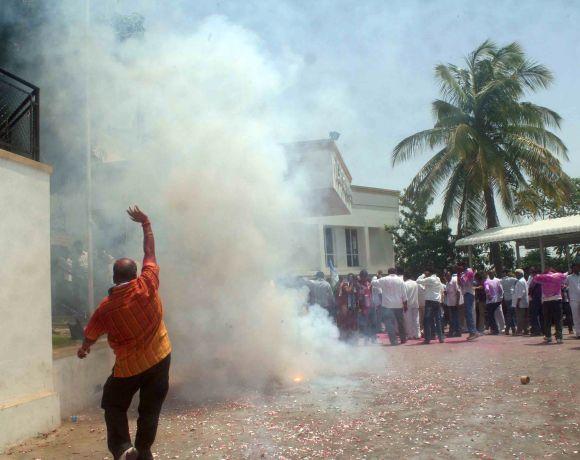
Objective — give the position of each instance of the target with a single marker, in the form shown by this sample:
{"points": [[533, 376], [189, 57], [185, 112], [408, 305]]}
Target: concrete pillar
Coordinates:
{"points": [[322, 259], [340, 248], [518, 255], [367, 246], [567, 252], [542, 256], [470, 255]]}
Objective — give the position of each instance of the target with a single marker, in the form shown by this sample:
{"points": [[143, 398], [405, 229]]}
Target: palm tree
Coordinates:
{"points": [[488, 143]]}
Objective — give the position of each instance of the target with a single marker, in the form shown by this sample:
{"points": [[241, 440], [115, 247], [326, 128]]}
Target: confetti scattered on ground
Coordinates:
{"points": [[453, 400]]}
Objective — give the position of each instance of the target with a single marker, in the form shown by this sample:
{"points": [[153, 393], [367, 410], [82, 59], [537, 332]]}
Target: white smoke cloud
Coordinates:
{"points": [[196, 119]]}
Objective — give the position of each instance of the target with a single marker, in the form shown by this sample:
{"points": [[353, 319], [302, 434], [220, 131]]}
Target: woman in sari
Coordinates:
{"points": [[346, 302]]}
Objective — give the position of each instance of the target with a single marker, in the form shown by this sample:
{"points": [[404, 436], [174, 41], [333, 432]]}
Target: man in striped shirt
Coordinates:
{"points": [[132, 317]]}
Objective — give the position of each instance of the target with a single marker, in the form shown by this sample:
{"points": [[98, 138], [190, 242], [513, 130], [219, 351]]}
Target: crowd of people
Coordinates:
{"points": [[459, 300]]}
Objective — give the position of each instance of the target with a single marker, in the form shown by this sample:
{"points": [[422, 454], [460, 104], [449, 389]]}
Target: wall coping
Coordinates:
{"points": [[385, 191], [6, 155], [20, 401]]}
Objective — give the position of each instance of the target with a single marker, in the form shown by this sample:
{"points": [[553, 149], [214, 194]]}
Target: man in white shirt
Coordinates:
{"points": [[452, 295], [521, 303], [412, 313], [394, 303], [433, 289], [573, 284], [376, 296], [421, 296], [508, 283]]}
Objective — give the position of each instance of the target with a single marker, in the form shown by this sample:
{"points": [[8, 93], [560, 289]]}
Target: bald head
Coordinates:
{"points": [[124, 270]]}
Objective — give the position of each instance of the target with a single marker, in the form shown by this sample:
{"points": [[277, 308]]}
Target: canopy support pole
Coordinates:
{"points": [[567, 252], [470, 255], [542, 257], [518, 257]]}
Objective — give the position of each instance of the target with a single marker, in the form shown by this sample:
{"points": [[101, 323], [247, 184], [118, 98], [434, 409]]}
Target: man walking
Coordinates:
{"points": [[573, 283], [465, 278], [535, 292], [433, 289], [567, 311], [452, 294], [421, 296], [376, 308], [493, 296], [132, 317], [412, 313], [394, 304], [521, 303], [508, 284]]}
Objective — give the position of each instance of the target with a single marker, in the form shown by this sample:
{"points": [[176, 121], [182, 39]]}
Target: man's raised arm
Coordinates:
{"points": [[148, 240]]}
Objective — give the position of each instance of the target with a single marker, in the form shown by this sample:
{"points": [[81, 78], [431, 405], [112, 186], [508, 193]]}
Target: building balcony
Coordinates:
{"points": [[318, 167]]}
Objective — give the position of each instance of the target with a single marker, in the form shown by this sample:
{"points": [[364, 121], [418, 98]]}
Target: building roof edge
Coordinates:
{"points": [[385, 191]]}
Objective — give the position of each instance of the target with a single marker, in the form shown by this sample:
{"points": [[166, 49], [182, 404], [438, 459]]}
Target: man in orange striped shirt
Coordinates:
{"points": [[132, 317]]}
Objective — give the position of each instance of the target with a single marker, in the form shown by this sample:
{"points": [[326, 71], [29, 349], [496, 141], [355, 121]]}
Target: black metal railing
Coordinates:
{"points": [[19, 116]]}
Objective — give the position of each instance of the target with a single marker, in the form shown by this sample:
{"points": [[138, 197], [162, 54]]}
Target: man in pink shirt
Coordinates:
{"points": [[552, 283]]}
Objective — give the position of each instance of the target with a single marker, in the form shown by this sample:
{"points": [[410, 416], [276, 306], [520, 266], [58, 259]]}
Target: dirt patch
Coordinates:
{"points": [[455, 400]]}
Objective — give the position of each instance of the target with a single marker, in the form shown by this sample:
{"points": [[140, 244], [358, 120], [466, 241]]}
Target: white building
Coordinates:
{"points": [[345, 223]]}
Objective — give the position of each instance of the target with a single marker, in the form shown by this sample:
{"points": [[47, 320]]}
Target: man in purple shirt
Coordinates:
{"points": [[552, 283], [493, 298]]}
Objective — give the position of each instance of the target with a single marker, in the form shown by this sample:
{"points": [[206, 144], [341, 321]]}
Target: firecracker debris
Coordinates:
{"points": [[454, 400]]}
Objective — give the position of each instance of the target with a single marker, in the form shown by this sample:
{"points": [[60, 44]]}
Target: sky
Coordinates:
{"points": [[366, 68]]}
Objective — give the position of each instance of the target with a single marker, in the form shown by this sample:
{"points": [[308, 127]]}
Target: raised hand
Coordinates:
{"points": [[137, 215]]}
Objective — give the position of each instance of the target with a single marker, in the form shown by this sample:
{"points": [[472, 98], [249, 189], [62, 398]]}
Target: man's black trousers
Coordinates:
{"points": [[118, 392], [552, 311]]}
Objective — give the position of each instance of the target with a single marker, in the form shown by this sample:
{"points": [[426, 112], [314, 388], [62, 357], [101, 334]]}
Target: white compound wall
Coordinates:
{"points": [[28, 402]]}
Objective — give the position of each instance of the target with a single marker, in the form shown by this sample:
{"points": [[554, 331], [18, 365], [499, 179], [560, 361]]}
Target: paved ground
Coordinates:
{"points": [[455, 400]]}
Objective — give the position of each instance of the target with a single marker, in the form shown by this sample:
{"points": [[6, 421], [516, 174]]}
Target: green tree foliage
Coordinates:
{"points": [[489, 143], [535, 204], [508, 256], [532, 259], [421, 242], [538, 205]]}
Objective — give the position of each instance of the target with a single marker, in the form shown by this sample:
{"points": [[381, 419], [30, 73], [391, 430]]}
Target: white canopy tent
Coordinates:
{"points": [[541, 234]]}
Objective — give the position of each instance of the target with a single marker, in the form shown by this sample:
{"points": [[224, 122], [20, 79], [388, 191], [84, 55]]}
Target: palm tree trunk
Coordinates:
{"points": [[460, 229], [491, 222]]}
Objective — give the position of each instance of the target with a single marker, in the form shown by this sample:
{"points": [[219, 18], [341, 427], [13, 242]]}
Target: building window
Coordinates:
{"points": [[351, 247], [329, 254]]}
